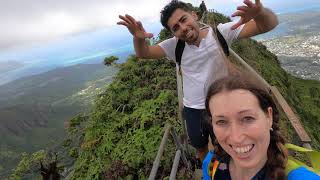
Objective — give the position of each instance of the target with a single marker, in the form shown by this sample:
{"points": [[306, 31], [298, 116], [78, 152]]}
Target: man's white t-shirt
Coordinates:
{"points": [[201, 65]]}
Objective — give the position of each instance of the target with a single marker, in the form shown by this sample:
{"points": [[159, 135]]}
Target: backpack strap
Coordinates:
{"points": [[178, 52], [209, 166], [223, 43]]}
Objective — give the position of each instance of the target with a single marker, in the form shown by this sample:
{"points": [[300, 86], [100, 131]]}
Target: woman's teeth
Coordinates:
{"points": [[243, 149]]}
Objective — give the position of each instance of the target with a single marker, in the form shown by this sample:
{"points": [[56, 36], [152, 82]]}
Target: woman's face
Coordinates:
{"points": [[241, 127]]}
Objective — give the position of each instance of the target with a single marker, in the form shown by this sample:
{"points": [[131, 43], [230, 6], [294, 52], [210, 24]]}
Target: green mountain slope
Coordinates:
{"points": [[33, 109], [126, 124]]}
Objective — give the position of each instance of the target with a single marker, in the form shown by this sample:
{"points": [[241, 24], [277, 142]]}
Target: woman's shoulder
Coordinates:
{"points": [[215, 166], [303, 174]]}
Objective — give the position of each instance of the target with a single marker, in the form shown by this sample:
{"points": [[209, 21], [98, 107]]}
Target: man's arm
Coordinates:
{"points": [[142, 49], [256, 18]]}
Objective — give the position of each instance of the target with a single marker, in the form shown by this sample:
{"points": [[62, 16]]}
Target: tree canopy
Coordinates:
{"points": [[110, 60]]}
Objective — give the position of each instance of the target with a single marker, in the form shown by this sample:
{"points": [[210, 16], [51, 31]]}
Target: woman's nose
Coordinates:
{"points": [[236, 135]]}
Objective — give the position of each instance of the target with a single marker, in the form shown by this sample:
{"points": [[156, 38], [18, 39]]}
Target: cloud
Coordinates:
{"points": [[35, 20], [27, 21]]}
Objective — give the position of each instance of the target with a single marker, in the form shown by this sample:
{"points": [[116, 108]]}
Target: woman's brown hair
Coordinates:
{"points": [[277, 153]]}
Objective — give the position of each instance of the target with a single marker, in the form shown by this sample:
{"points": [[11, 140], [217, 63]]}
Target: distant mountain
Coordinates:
{"points": [[33, 109], [86, 47], [9, 65], [290, 24], [51, 86], [45, 63]]}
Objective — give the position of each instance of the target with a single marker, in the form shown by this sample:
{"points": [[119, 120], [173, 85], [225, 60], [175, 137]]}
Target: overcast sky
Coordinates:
{"points": [[24, 21]]}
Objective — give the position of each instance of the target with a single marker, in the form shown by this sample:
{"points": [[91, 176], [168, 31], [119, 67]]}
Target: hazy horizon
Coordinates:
{"points": [[33, 21], [83, 48]]}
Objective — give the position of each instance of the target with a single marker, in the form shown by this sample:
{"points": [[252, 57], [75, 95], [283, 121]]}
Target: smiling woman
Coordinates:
{"points": [[241, 127], [248, 144]]}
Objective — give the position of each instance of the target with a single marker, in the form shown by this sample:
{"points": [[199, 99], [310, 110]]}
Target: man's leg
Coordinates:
{"points": [[197, 130], [207, 126]]}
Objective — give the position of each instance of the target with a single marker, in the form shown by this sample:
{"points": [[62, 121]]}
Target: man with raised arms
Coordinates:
{"points": [[201, 57]]}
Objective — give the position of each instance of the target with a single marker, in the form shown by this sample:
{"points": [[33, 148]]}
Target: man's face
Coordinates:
{"points": [[184, 26]]}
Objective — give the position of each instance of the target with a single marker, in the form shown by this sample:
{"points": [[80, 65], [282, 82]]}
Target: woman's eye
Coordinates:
{"points": [[248, 119], [221, 122]]}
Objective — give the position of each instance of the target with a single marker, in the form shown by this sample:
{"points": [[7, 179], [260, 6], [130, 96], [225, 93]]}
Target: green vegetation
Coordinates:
{"points": [[28, 163], [121, 135], [33, 109], [126, 124], [41, 162], [110, 60]]}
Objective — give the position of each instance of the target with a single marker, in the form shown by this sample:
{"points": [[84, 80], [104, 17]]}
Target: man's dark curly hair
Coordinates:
{"points": [[168, 10]]}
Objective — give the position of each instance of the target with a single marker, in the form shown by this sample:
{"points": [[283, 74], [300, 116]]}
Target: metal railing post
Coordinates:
{"points": [[175, 165], [156, 162], [180, 99], [180, 147]]}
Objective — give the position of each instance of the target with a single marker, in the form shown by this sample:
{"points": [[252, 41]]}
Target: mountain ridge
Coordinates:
{"points": [[33, 109]]}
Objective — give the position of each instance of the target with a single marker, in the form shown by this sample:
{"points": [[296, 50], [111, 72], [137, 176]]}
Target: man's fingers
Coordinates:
{"points": [[147, 35], [238, 13], [249, 3], [131, 19], [135, 27], [239, 23], [122, 23], [140, 25], [125, 19], [242, 8], [258, 2]]}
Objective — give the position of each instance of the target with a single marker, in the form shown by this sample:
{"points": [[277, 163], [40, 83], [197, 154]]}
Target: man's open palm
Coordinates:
{"points": [[135, 27], [247, 12]]}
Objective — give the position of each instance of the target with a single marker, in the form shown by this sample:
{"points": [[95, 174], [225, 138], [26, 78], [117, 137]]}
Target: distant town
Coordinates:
{"points": [[299, 49], [299, 45]]}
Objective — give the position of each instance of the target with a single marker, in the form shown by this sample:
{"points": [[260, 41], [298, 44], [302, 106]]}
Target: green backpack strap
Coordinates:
{"points": [[313, 155]]}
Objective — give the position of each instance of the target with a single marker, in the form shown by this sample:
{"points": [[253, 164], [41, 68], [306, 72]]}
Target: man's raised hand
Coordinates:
{"points": [[247, 12], [134, 27]]}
